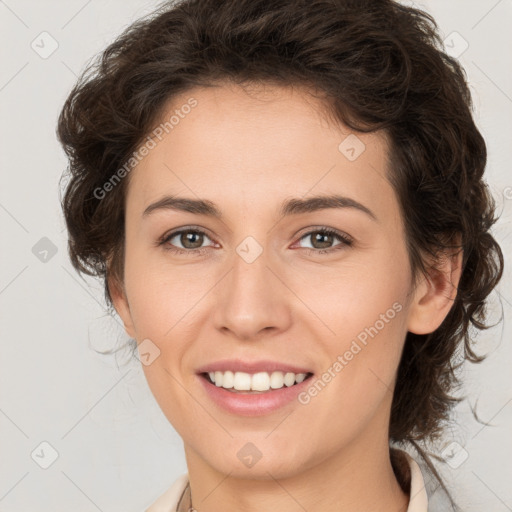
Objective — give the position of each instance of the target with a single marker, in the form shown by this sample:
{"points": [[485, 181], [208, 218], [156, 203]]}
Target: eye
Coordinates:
{"points": [[322, 240], [191, 241]]}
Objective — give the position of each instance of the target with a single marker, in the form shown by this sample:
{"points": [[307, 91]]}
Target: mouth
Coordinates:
{"points": [[256, 383], [254, 388]]}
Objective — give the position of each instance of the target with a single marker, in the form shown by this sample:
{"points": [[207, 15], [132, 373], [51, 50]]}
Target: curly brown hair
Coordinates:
{"points": [[379, 66]]}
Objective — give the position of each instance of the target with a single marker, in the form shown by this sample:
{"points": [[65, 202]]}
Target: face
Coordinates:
{"points": [[276, 276]]}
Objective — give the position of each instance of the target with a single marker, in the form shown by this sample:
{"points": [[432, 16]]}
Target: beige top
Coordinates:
{"points": [[177, 497]]}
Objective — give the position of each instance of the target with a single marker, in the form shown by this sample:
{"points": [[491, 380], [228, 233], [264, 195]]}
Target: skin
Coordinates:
{"points": [[248, 151]]}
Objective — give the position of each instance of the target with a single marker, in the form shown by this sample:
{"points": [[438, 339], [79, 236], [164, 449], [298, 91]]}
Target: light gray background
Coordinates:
{"points": [[116, 450]]}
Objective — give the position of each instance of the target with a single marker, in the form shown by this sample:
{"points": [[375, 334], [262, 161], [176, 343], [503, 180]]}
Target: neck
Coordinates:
{"points": [[357, 478]]}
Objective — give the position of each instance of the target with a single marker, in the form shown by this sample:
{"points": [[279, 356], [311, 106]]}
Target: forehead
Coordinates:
{"points": [[258, 145]]}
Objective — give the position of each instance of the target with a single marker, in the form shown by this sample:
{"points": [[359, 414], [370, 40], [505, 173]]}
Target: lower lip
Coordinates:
{"points": [[253, 404]]}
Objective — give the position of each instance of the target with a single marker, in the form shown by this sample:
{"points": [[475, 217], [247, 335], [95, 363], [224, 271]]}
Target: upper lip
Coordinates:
{"points": [[239, 365]]}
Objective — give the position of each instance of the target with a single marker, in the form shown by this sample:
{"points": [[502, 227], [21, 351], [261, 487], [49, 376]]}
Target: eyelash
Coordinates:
{"points": [[345, 240]]}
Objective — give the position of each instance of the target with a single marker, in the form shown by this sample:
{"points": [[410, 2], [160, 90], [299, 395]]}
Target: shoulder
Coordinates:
{"points": [[168, 501], [410, 477]]}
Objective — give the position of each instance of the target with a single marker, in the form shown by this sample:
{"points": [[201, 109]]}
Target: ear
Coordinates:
{"points": [[435, 294], [118, 296]]}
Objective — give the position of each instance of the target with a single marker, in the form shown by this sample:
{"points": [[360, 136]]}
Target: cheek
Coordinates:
{"points": [[161, 295], [354, 296], [359, 376], [363, 312]]}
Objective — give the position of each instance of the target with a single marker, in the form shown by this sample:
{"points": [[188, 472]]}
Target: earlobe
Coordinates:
{"points": [[121, 305], [435, 294]]}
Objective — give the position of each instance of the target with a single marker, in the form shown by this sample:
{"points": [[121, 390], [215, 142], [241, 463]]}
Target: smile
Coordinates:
{"points": [[258, 382], [255, 394]]}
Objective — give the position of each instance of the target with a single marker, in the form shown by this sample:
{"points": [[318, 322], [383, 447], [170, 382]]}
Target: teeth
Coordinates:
{"points": [[228, 379], [277, 380], [289, 379], [262, 381], [241, 382], [218, 379], [300, 377]]}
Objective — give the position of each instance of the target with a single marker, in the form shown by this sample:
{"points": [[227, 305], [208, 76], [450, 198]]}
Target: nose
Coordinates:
{"points": [[253, 299]]}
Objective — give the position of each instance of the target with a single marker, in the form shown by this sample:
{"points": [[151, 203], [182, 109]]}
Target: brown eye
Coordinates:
{"points": [[324, 240], [185, 240], [191, 239]]}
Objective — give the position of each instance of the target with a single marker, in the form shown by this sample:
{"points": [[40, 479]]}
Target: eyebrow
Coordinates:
{"points": [[294, 206]]}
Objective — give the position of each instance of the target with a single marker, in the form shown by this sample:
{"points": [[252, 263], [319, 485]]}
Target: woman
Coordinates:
{"points": [[285, 202]]}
